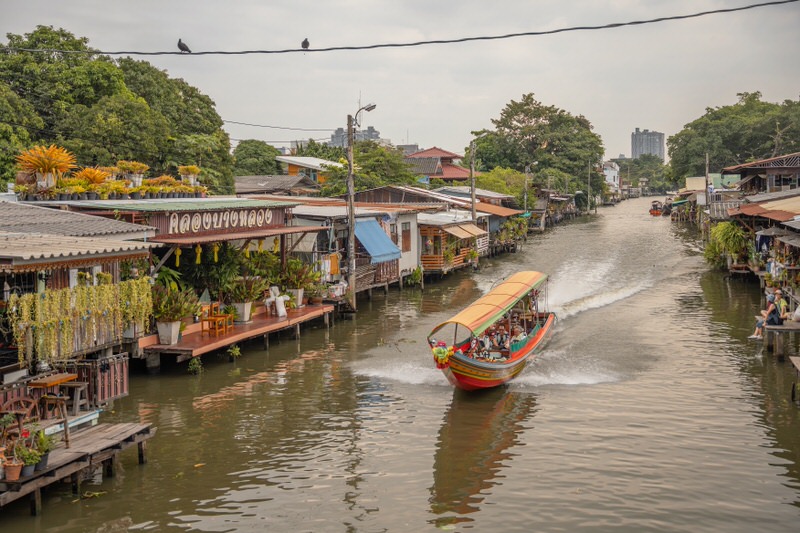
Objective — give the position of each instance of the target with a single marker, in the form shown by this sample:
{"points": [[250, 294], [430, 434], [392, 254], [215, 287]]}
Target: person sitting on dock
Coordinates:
{"points": [[770, 311]]}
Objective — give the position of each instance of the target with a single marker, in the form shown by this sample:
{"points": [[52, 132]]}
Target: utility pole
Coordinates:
{"points": [[351, 218], [472, 178]]}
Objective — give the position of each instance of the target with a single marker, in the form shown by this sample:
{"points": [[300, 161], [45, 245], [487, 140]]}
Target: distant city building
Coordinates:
{"points": [[647, 142], [339, 137], [408, 149]]}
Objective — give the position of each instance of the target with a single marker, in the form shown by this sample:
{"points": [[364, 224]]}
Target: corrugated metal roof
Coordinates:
{"points": [[335, 211], [25, 218], [461, 190], [182, 204], [768, 196], [256, 184], [27, 247], [498, 210], [426, 166], [435, 151], [445, 218], [314, 163]]}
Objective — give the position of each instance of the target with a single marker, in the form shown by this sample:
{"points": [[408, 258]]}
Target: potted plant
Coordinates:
{"points": [[243, 291], [189, 173], [46, 163], [170, 306], [13, 467], [44, 444], [29, 458], [297, 277], [316, 293], [134, 170]]}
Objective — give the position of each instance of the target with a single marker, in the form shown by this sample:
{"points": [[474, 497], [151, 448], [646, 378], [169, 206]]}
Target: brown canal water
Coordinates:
{"points": [[649, 411]]}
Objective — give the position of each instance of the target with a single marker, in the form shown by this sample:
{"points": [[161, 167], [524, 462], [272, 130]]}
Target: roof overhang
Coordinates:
{"points": [[186, 240]]}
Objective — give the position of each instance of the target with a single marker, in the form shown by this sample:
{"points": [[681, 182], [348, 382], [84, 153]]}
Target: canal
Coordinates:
{"points": [[649, 411]]}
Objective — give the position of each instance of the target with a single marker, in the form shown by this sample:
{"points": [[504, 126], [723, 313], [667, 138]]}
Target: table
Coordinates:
{"points": [[52, 380]]}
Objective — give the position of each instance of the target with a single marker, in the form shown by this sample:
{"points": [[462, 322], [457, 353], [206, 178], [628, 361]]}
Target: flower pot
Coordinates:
{"points": [[13, 471], [243, 311], [168, 332], [27, 470], [316, 300], [42, 464], [136, 195], [297, 296]]}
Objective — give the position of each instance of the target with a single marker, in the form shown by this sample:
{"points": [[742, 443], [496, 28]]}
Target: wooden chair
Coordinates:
{"points": [[23, 405]]}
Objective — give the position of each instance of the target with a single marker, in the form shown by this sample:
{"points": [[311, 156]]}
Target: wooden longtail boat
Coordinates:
{"points": [[460, 347], [655, 208]]}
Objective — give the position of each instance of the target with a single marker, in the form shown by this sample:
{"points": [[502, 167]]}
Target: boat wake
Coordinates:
{"points": [[594, 301], [548, 369], [409, 372]]}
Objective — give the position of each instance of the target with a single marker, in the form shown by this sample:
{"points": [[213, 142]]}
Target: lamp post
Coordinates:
{"points": [[472, 178], [352, 121]]}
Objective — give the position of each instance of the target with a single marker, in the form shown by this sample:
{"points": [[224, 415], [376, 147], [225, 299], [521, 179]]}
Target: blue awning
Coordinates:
{"points": [[374, 239]]}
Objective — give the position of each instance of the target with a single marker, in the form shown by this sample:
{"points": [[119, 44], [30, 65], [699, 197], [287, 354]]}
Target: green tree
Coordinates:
{"points": [[255, 158], [212, 154], [19, 127], [529, 131], [374, 166], [312, 148], [102, 134], [649, 167], [746, 131]]}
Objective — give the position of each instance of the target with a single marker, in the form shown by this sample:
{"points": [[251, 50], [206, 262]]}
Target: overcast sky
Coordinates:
{"points": [[657, 76]]}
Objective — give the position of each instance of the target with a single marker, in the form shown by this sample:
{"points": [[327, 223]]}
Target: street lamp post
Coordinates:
{"points": [[352, 121], [472, 178]]}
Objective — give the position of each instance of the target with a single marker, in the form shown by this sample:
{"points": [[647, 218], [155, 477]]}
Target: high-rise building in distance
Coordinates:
{"points": [[647, 142]]}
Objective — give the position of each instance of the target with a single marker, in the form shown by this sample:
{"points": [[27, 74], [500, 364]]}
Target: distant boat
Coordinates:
{"points": [[457, 344], [656, 208]]}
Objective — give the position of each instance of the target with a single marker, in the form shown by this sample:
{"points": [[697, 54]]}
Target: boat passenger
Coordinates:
{"points": [[501, 338], [518, 335]]}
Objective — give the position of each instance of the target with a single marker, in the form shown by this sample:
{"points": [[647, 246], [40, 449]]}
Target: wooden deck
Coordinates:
{"points": [[91, 447], [194, 342]]}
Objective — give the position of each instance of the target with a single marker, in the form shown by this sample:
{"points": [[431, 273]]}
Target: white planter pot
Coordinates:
{"points": [[168, 332], [243, 311], [297, 296]]}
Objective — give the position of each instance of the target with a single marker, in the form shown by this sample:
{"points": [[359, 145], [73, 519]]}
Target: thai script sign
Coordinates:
{"points": [[221, 221]]}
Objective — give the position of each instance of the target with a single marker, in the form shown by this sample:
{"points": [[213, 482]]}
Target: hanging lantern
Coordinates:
{"points": [[276, 245], [216, 250], [198, 253], [247, 252], [260, 245], [177, 257]]}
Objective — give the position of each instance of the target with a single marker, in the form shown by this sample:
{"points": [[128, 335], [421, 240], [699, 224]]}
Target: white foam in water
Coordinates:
{"points": [[593, 301], [410, 372], [539, 372]]}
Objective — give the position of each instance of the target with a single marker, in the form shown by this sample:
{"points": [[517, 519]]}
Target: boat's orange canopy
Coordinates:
{"points": [[489, 308]]}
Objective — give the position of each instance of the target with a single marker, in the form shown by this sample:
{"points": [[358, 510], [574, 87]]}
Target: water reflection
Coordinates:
{"points": [[475, 441]]}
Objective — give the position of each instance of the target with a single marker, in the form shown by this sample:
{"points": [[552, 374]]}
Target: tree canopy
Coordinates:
{"points": [[374, 165], [747, 131], [252, 157], [649, 167], [105, 110], [528, 131]]}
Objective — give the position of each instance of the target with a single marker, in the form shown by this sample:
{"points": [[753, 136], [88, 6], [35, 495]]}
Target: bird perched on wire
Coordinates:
{"points": [[305, 44], [182, 46]]}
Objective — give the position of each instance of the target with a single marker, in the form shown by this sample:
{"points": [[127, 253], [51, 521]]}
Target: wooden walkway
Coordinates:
{"points": [[195, 343], [89, 448]]}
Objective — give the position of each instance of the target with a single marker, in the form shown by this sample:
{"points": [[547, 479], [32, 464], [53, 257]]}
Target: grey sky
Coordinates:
{"points": [[657, 76]]}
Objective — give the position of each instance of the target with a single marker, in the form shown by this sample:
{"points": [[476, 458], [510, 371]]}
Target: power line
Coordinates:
{"points": [[276, 127], [412, 44]]}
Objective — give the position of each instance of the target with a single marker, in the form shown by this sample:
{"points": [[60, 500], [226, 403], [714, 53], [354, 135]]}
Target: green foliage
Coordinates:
{"points": [[649, 167], [234, 352], [195, 366], [746, 131], [170, 305], [726, 238], [300, 275], [415, 278], [246, 289], [323, 151], [255, 158], [104, 110], [44, 443], [210, 274], [28, 456], [529, 131], [374, 166]]}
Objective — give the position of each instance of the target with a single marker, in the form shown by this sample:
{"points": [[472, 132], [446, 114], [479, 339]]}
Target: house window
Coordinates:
{"points": [[393, 232], [406, 237]]}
